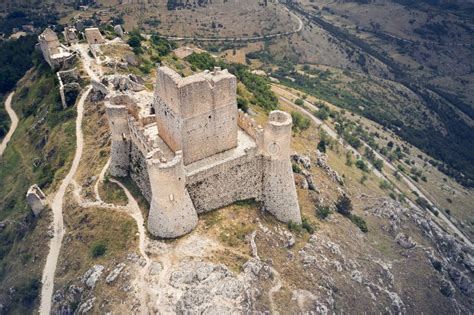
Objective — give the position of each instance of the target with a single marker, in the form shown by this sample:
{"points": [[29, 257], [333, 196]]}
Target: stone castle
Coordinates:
{"points": [[55, 54], [190, 150]]}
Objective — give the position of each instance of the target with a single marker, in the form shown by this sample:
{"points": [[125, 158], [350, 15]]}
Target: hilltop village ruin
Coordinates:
{"points": [[190, 150]]}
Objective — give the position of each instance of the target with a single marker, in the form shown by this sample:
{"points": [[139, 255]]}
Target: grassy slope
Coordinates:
{"points": [[40, 151]]}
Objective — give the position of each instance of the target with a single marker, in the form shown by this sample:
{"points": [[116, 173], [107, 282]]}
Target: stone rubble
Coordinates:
{"points": [[114, 273], [321, 161], [92, 275]]}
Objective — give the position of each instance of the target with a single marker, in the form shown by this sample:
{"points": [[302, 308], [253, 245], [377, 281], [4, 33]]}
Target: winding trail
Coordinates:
{"points": [[378, 173], [133, 210], [13, 118], [57, 208]]}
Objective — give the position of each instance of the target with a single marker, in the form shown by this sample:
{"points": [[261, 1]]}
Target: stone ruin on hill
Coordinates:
{"points": [[190, 150], [56, 55]]}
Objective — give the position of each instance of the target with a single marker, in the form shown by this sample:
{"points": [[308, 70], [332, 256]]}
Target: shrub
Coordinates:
{"points": [[353, 141], [296, 168], [243, 104], [299, 102], [300, 122], [98, 249], [360, 222], [344, 205], [322, 113], [349, 161], [323, 212], [307, 225], [360, 164], [422, 202], [294, 227], [28, 293], [378, 164], [385, 185]]}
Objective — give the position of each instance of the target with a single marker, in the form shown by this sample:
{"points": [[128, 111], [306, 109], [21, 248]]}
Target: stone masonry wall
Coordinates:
{"points": [[227, 183], [196, 114], [169, 124], [139, 171]]}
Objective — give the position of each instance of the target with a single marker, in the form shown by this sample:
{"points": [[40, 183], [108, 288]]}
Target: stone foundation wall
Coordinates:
{"points": [[139, 171], [227, 183]]}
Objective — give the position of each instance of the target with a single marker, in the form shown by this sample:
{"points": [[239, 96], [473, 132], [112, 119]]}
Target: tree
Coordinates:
{"points": [[344, 205], [322, 146]]}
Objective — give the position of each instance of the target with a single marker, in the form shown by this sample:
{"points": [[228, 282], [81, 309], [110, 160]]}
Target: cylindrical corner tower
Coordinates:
{"points": [[279, 191], [120, 151], [172, 213]]}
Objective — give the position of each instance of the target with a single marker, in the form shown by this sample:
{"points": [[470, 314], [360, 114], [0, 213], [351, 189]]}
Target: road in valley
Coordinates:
{"points": [[378, 173], [13, 118]]}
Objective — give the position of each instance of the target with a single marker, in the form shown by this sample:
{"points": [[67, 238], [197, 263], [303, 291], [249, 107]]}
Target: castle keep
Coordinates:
{"points": [[190, 150]]}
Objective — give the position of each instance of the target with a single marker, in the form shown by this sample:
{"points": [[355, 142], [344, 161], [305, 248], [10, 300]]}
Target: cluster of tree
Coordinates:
{"points": [[15, 59], [16, 19], [161, 46], [370, 155], [300, 122], [135, 41], [257, 85]]}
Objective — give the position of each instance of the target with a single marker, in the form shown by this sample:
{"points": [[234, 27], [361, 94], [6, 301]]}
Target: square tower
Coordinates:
{"points": [[197, 114]]}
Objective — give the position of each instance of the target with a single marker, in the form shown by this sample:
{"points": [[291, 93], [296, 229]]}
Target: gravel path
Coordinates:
{"points": [[13, 118]]}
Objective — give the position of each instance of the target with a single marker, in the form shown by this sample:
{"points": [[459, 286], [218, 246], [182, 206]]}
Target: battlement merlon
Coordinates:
{"points": [[172, 213], [197, 94]]}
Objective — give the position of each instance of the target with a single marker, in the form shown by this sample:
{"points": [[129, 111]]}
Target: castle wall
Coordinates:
{"points": [[169, 124], [216, 187], [139, 171], [209, 133]]}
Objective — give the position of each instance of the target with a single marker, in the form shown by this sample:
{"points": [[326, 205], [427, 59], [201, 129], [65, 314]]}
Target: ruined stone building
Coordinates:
{"points": [[55, 54], [190, 150], [70, 35], [93, 36], [94, 39], [36, 199]]}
